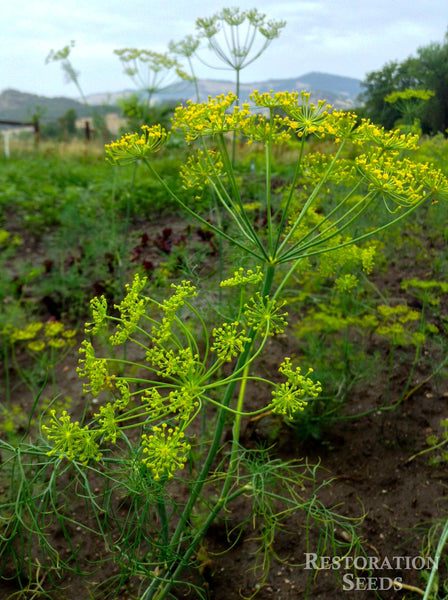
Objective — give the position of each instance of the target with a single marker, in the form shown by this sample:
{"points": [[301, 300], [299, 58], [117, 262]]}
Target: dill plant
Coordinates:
{"points": [[149, 404]]}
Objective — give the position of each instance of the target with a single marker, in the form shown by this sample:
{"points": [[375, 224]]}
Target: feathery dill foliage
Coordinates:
{"points": [[181, 371]]}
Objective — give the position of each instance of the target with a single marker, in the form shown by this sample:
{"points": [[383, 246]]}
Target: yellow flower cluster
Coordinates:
{"points": [[162, 331], [132, 146], [396, 180], [258, 129], [71, 441], [243, 278], [229, 342], [132, 308], [165, 451], [263, 314], [292, 396], [274, 100], [200, 168], [95, 369], [306, 117], [39, 336], [210, 118], [386, 140], [395, 325]]}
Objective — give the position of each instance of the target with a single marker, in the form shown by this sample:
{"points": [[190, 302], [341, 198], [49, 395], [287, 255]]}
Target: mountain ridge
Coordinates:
{"points": [[340, 91]]}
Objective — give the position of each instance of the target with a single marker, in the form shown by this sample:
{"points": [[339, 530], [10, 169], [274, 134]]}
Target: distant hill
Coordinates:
{"points": [[339, 91], [20, 106]]}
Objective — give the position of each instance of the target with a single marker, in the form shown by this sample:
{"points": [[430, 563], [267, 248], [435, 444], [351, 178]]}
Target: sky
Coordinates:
{"points": [[340, 37]]}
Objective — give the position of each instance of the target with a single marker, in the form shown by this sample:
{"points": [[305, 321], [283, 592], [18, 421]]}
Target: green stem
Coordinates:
{"points": [[268, 154], [310, 200], [7, 379], [429, 592], [197, 216], [164, 523], [237, 99], [290, 195], [224, 497]]}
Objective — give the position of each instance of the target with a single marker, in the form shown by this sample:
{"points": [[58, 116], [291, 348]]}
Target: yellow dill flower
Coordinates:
{"points": [[396, 325], [125, 394], [108, 422], [258, 129], [165, 451], [291, 397], [229, 342], [98, 306], [306, 117], [28, 333], [36, 345], [95, 369], [346, 283], [408, 94], [132, 146], [56, 343], [69, 439], [264, 314], [69, 333], [434, 181], [53, 328], [170, 363], [340, 124], [210, 118], [169, 307], [154, 401], [274, 100], [184, 401], [200, 169], [396, 180], [132, 308], [387, 140], [242, 278]]}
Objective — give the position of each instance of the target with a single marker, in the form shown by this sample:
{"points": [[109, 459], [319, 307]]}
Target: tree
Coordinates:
{"points": [[431, 70], [428, 70]]}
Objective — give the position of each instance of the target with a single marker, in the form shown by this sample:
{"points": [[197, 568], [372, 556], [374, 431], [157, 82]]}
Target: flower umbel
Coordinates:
{"points": [[165, 451], [264, 314], [70, 439], [132, 146], [290, 397], [241, 278], [132, 308], [229, 342]]}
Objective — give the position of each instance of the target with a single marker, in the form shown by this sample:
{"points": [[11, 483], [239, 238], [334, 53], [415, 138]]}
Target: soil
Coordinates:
{"points": [[367, 465]]}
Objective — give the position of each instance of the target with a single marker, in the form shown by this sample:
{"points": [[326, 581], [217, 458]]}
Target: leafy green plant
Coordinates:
{"points": [[187, 367]]}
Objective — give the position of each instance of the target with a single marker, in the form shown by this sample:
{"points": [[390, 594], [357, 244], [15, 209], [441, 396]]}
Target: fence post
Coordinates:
{"points": [[6, 135], [36, 132], [87, 132]]}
